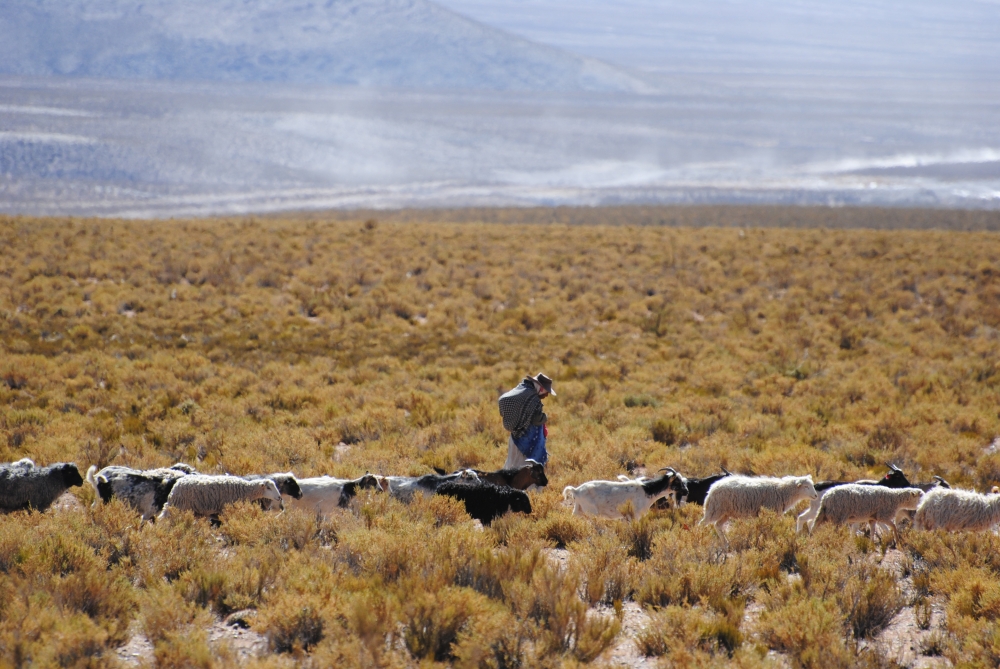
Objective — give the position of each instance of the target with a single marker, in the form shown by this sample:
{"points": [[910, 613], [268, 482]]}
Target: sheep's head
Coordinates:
{"points": [[913, 498], [70, 474], [805, 487], [269, 490]]}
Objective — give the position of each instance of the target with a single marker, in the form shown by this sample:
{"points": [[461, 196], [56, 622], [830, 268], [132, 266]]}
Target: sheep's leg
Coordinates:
{"points": [[722, 535], [895, 532], [717, 524], [807, 516]]}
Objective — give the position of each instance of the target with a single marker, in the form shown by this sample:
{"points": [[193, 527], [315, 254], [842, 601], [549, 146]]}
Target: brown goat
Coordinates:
{"points": [[533, 473]]}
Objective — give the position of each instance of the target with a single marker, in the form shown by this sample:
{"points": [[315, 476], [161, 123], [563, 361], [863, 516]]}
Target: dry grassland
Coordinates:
{"points": [[339, 347]]}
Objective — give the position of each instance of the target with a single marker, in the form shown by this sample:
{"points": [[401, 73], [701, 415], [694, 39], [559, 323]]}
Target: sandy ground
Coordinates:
{"points": [[66, 502], [625, 652], [233, 632], [903, 641]]}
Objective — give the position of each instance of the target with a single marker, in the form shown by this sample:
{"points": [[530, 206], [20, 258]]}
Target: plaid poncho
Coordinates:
{"points": [[518, 406]]}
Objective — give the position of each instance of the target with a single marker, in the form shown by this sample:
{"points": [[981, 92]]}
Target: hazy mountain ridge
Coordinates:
{"points": [[379, 43]]}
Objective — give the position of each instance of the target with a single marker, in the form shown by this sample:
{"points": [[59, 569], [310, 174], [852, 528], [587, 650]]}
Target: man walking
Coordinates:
{"points": [[521, 410]]}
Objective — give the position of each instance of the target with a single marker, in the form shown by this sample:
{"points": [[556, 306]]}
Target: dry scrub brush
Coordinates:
{"points": [[335, 347]]}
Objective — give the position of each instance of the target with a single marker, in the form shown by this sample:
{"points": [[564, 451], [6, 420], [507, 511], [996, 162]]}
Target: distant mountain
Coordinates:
{"points": [[379, 43]]}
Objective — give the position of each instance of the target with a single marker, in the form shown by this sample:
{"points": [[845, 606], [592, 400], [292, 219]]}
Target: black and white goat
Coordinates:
{"points": [[697, 489], [607, 498], [322, 494]]}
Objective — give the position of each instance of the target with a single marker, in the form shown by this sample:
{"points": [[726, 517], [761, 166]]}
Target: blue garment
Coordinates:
{"points": [[532, 444]]}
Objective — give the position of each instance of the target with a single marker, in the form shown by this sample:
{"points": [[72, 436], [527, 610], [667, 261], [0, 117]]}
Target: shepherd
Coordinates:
{"points": [[521, 410]]}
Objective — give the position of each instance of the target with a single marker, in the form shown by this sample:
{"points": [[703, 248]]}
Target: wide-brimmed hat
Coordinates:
{"points": [[545, 382]]}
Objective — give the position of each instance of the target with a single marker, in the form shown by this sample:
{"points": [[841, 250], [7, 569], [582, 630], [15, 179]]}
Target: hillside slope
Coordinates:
{"points": [[397, 43]]}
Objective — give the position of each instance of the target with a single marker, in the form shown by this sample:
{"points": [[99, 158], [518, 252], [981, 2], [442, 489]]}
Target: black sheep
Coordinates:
{"points": [[31, 487], [485, 501]]}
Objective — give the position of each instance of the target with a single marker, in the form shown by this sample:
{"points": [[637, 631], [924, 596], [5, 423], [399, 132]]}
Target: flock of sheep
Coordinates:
{"points": [[155, 493]]}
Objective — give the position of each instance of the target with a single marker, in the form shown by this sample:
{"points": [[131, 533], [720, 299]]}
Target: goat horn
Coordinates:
{"points": [[728, 473], [937, 478]]}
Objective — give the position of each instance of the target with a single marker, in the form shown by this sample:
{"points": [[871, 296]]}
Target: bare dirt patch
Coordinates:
{"points": [[137, 651], [626, 653], [235, 632], [903, 642]]}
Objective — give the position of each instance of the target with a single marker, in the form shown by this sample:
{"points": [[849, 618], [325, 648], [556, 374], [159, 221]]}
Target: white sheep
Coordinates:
{"points": [[322, 494], [744, 496], [607, 498], [956, 510], [856, 503], [208, 495]]}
